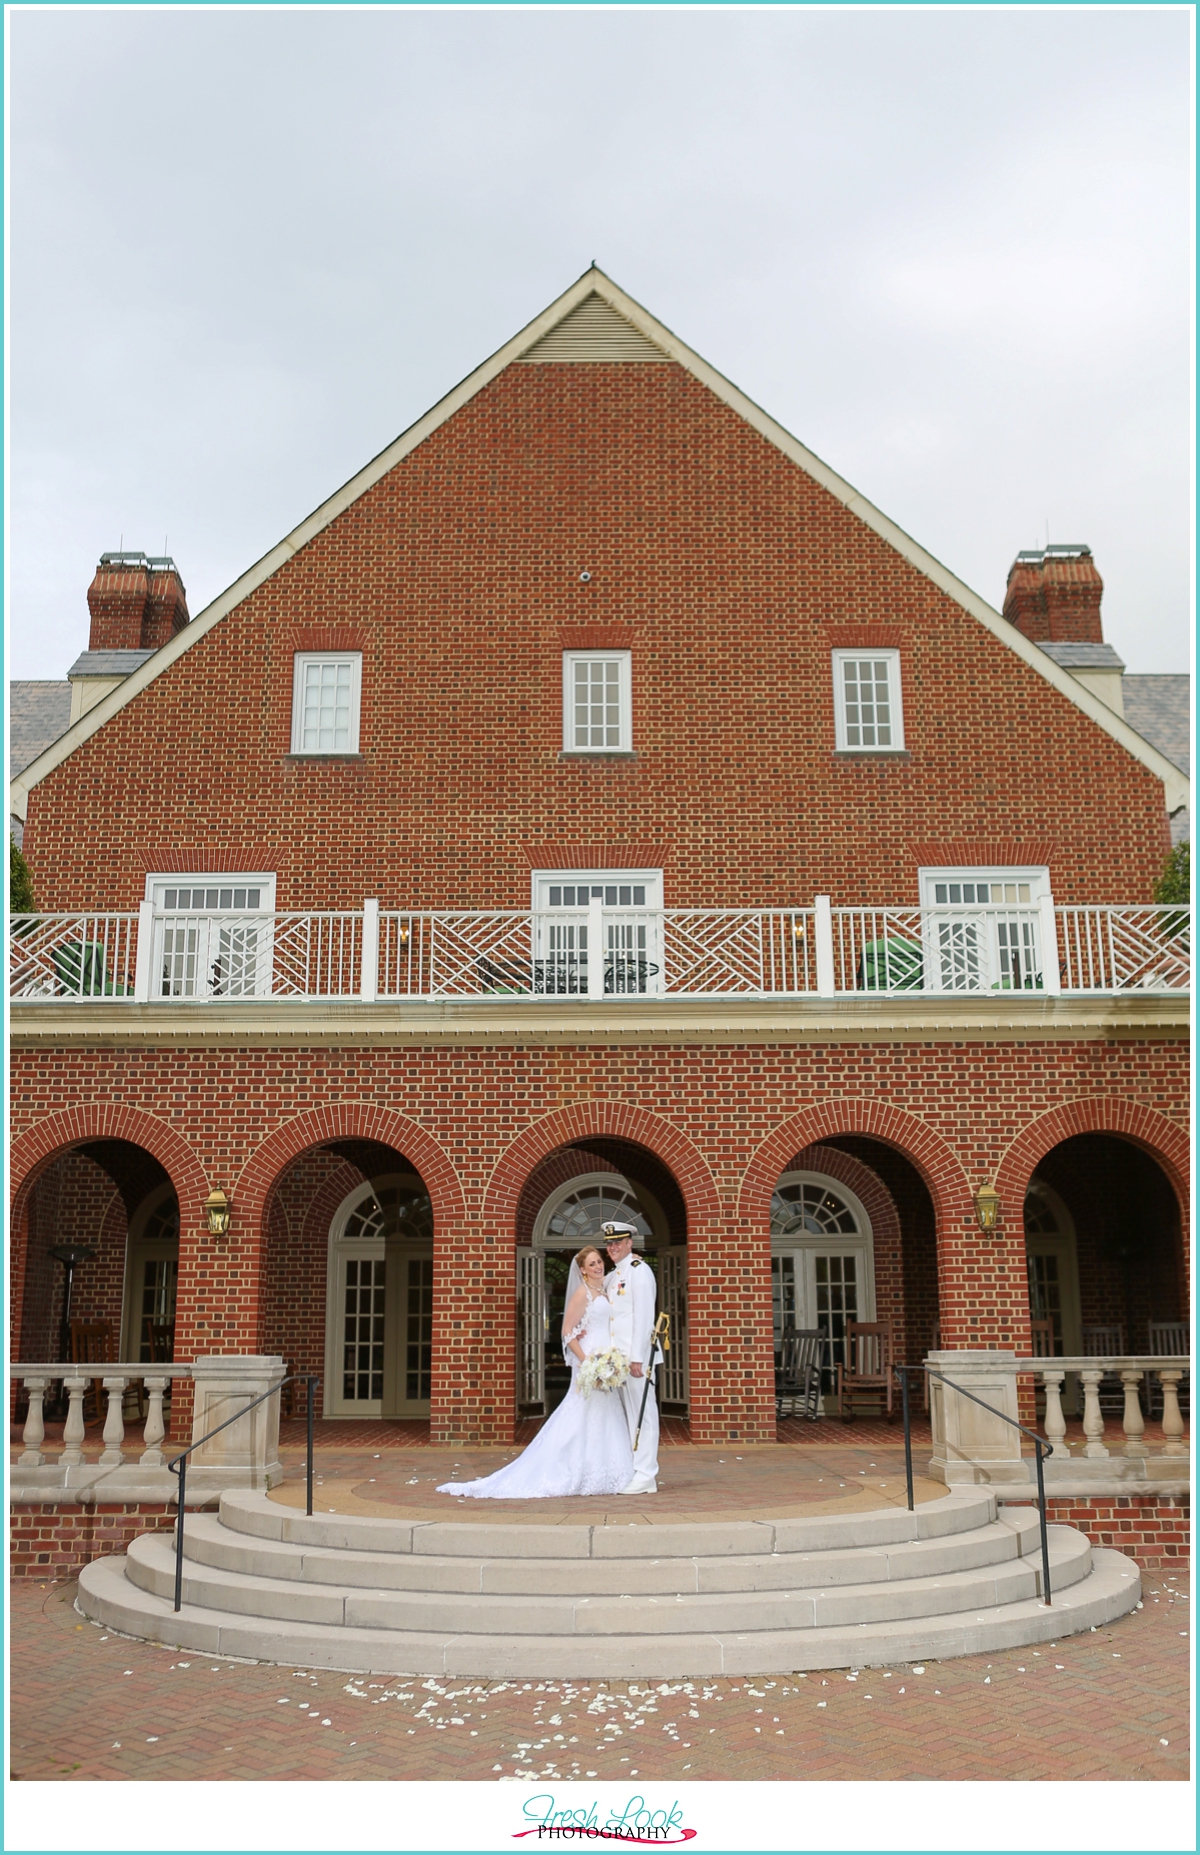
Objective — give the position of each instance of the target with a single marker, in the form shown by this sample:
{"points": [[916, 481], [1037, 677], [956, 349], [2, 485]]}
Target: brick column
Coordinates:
{"points": [[731, 1360]]}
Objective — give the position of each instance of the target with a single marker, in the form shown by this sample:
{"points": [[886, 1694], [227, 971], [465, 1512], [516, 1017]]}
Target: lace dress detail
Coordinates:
{"points": [[583, 1447]]}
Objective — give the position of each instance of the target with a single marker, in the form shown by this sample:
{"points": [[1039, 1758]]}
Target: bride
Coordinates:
{"points": [[583, 1447]]}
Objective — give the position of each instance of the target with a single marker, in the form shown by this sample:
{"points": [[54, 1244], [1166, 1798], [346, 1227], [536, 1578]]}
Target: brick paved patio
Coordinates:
{"points": [[88, 1704]]}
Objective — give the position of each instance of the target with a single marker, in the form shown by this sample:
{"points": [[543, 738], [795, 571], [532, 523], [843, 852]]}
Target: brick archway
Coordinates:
{"points": [[32, 1151], [348, 1121], [1163, 1139], [937, 1162], [612, 1120]]}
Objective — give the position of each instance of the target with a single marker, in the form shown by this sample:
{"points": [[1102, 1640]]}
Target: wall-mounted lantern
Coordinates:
{"points": [[987, 1206], [217, 1210]]}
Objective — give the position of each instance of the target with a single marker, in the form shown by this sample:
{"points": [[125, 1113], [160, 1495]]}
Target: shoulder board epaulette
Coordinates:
{"points": [[635, 1262]]}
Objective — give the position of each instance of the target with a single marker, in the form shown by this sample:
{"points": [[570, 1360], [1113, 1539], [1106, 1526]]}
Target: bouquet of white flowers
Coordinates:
{"points": [[603, 1371]]}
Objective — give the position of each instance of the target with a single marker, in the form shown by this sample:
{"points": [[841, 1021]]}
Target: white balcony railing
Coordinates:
{"points": [[599, 953]]}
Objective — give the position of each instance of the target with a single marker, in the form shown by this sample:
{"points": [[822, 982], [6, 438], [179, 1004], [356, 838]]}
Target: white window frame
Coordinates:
{"points": [[972, 946], [300, 664], [209, 927], [1036, 875], [842, 741], [624, 662]]}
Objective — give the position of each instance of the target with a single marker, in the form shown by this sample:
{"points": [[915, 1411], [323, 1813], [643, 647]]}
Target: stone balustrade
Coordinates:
{"points": [[974, 1445], [1132, 1370], [116, 1380], [244, 1454]]}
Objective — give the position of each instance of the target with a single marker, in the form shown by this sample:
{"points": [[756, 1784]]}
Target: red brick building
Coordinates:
{"points": [[596, 801]]}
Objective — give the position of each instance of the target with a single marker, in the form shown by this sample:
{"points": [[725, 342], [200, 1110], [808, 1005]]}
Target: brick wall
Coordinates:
{"points": [[730, 572], [1154, 1529], [721, 1120], [57, 1542]]}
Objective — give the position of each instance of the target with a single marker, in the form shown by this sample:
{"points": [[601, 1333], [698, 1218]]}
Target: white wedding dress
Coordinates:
{"points": [[582, 1448]]}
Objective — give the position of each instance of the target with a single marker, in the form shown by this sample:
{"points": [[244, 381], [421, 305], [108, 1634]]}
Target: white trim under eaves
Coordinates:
{"points": [[1177, 785]]}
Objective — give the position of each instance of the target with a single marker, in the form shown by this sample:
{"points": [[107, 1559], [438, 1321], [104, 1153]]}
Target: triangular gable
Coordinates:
{"points": [[590, 317]]}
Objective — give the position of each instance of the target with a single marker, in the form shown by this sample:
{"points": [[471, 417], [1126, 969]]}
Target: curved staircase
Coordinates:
{"points": [[416, 1597]]}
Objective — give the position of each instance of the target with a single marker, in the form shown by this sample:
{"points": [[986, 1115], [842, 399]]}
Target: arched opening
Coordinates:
{"points": [[822, 1259], [348, 1280], [572, 1193], [114, 1199], [1104, 1248]]}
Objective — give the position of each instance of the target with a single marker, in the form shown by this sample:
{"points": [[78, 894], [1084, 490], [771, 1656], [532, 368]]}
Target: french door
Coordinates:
{"points": [[631, 904], [671, 1268], [213, 937], [821, 1287], [382, 1339], [984, 930]]}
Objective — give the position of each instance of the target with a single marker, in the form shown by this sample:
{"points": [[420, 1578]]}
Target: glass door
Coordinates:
{"points": [[532, 1323], [983, 930], [213, 937], [631, 901]]}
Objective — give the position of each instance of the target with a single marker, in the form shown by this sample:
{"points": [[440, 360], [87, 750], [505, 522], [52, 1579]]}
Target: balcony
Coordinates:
{"points": [[600, 954]]}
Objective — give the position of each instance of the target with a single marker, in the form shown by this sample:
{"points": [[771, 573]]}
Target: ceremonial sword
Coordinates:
{"points": [[660, 1339]]}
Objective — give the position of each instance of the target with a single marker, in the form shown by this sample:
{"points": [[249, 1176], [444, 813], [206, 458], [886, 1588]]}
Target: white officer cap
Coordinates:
{"points": [[613, 1233]]}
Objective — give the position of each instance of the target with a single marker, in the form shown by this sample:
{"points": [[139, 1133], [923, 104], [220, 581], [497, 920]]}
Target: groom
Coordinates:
{"points": [[631, 1290]]}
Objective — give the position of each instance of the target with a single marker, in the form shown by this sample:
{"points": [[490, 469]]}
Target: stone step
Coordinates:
{"points": [[1109, 1590], [151, 1565], [208, 1541], [244, 1511]]}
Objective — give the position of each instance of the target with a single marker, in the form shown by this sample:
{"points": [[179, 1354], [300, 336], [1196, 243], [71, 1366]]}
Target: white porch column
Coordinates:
{"points": [[1051, 977], [596, 949], [370, 951], [972, 1445], [823, 935], [145, 947]]}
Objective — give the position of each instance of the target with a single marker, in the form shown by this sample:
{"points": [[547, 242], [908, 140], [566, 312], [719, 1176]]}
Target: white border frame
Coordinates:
{"points": [[895, 690], [590, 877], [1037, 875], [624, 660], [222, 879], [300, 659]]}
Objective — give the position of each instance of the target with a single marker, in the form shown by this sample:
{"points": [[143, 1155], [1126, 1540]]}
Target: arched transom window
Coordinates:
{"points": [[576, 1211], [808, 1209]]}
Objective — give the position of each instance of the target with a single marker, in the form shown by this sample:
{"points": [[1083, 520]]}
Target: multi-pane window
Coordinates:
{"points": [[867, 707], [596, 702], [989, 936], [212, 936], [326, 694]]}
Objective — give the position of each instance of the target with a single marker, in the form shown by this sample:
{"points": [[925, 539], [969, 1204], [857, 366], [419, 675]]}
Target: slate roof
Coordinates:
{"points": [[39, 713], [1159, 707]]}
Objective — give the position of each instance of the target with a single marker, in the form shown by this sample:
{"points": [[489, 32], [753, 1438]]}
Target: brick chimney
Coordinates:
{"points": [[137, 602], [1053, 595]]}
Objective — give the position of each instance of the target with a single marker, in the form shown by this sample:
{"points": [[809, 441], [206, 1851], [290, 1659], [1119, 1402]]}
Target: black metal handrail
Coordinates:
{"points": [[178, 1464], [1041, 1446]]}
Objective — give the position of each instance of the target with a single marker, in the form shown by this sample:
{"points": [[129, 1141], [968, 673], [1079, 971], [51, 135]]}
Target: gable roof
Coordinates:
{"points": [[591, 315]]}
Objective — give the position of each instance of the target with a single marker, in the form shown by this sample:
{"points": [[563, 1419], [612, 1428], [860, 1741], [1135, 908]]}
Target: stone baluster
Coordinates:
{"points": [[35, 1427], [112, 1455], [1093, 1417], [1172, 1417], [1055, 1422], [74, 1430], [1133, 1421], [156, 1429]]}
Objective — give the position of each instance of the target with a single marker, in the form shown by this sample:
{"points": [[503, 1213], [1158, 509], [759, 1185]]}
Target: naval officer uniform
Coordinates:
{"points": [[632, 1291]]}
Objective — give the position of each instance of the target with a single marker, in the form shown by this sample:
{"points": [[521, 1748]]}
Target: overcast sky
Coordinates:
{"points": [[950, 251]]}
